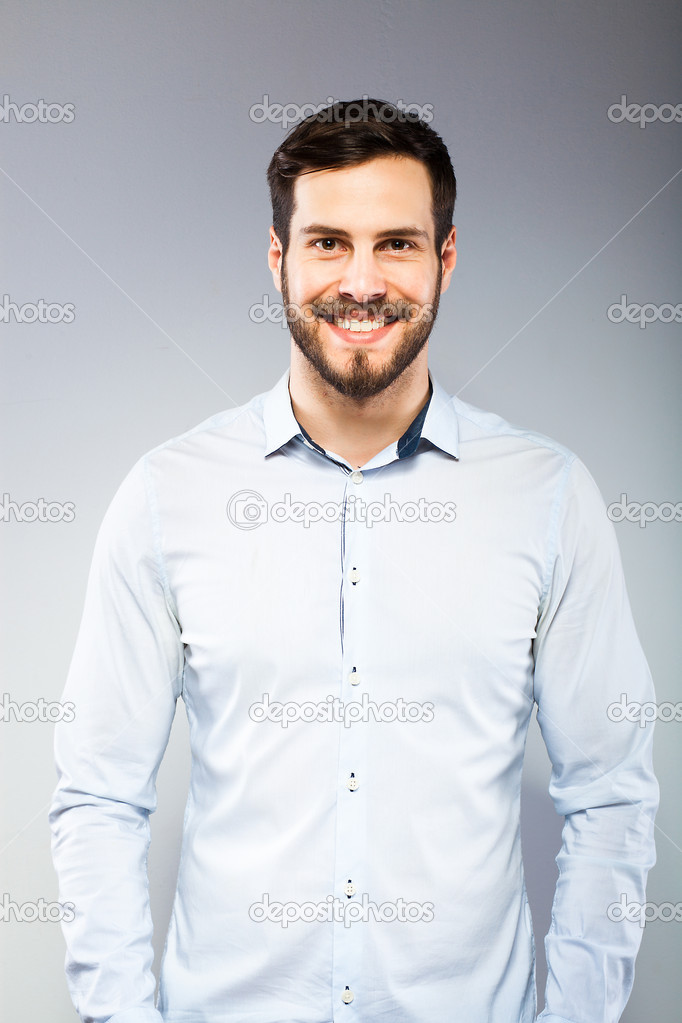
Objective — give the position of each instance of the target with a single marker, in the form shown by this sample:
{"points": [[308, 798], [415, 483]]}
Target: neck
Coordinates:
{"points": [[356, 428]]}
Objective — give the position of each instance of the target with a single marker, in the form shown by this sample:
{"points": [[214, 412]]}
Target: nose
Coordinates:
{"points": [[362, 280]]}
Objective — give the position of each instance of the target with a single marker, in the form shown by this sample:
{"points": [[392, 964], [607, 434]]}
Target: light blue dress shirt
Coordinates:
{"points": [[359, 654]]}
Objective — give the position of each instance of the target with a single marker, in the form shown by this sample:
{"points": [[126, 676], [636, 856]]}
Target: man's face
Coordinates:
{"points": [[361, 280]]}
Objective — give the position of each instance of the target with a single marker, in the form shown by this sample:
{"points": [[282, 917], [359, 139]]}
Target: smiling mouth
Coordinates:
{"points": [[355, 325], [360, 326]]}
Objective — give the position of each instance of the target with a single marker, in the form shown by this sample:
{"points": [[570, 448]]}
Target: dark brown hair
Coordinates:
{"points": [[346, 134]]}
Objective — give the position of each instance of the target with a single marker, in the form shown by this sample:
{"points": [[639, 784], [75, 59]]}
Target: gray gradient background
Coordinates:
{"points": [[150, 213]]}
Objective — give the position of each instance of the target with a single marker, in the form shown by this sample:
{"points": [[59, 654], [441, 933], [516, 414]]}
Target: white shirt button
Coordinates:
{"points": [[354, 575], [349, 888], [347, 996], [352, 783], [356, 476], [354, 678]]}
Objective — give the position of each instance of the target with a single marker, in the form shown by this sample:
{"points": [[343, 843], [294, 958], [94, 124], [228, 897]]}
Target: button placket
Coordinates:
{"points": [[351, 831]]}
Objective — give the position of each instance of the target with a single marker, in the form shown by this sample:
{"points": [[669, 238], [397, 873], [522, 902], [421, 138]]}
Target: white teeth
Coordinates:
{"points": [[360, 326]]}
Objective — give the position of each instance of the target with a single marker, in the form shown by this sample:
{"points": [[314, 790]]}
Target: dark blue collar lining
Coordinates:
{"points": [[407, 444]]}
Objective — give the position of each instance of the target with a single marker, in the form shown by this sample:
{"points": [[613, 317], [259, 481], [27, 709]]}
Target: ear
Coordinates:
{"points": [[448, 257], [275, 259]]}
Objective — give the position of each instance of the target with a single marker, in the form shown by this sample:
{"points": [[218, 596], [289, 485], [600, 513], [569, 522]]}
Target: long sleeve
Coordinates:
{"points": [[587, 655], [124, 680]]}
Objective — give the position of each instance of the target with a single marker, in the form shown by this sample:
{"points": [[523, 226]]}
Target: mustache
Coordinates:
{"points": [[390, 312]]}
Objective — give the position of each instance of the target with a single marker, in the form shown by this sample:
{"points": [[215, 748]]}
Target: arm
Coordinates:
{"points": [[586, 655], [124, 680]]}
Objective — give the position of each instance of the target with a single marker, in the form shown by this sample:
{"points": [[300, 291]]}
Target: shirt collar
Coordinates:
{"points": [[438, 421]]}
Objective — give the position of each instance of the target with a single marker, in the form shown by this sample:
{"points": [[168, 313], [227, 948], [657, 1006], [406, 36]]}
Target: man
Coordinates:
{"points": [[360, 587]]}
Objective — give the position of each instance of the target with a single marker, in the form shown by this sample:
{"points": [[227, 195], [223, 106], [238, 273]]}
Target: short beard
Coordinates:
{"points": [[360, 379]]}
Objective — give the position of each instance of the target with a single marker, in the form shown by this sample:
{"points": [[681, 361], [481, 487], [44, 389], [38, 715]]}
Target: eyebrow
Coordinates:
{"points": [[403, 232]]}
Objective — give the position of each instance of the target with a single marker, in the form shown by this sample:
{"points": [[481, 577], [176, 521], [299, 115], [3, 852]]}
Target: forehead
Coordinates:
{"points": [[382, 192]]}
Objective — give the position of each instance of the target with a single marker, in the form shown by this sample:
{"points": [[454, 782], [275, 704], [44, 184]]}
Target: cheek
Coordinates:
{"points": [[309, 279], [417, 285], [318, 282]]}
